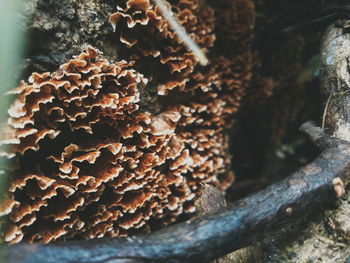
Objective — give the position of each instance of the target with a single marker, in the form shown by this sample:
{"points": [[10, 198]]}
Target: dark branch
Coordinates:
{"points": [[214, 235], [322, 140]]}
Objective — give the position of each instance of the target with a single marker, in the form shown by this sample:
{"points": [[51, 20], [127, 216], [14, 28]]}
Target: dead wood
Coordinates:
{"points": [[324, 237]]}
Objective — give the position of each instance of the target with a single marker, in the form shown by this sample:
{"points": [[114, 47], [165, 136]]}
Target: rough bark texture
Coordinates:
{"points": [[324, 237], [335, 79], [58, 30]]}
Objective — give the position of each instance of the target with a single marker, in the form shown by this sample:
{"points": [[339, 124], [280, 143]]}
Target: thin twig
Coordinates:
{"points": [[181, 31], [325, 112]]}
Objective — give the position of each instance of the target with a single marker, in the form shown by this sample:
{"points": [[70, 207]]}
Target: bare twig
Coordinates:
{"points": [[181, 31], [325, 112]]}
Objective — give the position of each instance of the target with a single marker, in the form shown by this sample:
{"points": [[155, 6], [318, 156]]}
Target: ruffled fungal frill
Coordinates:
{"points": [[87, 162], [141, 27]]}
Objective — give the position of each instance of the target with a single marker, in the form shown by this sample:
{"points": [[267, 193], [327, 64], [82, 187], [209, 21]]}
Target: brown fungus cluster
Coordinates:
{"points": [[140, 26], [86, 162]]}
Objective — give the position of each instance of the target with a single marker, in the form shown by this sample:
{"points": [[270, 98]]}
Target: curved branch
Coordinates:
{"points": [[213, 235], [316, 134]]}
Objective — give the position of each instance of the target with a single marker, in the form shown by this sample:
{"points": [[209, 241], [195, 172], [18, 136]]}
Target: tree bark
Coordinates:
{"points": [[325, 236]]}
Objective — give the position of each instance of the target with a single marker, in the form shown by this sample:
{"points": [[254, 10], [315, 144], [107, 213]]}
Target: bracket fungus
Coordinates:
{"points": [[87, 162]]}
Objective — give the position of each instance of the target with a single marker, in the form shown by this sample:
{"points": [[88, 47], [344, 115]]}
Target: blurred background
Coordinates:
{"points": [[12, 39]]}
